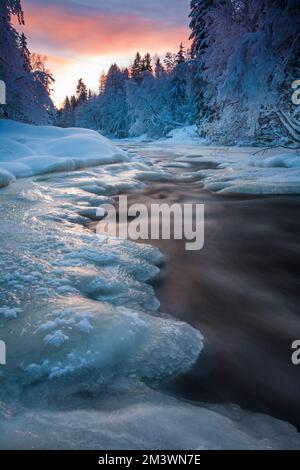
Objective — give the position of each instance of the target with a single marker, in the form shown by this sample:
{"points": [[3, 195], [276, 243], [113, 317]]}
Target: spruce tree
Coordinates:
{"points": [[81, 91], [146, 63], [178, 89], [159, 68], [136, 68], [28, 99], [181, 55], [199, 25], [25, 52], [73, 101]]}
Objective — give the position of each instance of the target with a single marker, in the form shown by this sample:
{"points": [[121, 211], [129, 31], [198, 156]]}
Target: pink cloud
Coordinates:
{"points": [[99, 33]]}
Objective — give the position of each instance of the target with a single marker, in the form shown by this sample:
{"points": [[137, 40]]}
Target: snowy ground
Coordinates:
{"points": [[29, 150], [87, 345]]}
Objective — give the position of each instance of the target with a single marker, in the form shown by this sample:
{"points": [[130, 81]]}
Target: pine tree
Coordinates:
{"points": [[28, 96], [73, 101], [81, 91], [159, 68], [66, 114], [25, 53], [181, 55], [67, 104], [146, 63], [136, 68], [178, 92], [114, 120], [199, 25]]}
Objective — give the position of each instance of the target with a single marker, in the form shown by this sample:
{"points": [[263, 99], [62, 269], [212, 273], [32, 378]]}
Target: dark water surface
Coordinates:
{"points": [[242, 292]]}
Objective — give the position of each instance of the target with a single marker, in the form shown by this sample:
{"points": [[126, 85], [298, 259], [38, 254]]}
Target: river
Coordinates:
{"points": [[96, 355]]}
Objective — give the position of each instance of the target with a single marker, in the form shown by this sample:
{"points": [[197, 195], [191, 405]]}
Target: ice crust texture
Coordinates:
{"points": [[88, 347]]}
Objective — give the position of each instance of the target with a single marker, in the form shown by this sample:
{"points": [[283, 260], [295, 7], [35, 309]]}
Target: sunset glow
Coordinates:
{"points": [[84, 42]]}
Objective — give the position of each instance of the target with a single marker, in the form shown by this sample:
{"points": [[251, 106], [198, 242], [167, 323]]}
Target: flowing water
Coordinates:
{"points": [[115, 344], [241, 291]]}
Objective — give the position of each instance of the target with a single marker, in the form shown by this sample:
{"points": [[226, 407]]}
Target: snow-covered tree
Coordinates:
{"points": [[81, 91], [181, 55], [25, 53], [169, 62], [137, 67], [159, 70], [200, 36], [66, 115], [178, 86], [200, 26], [241, 51], [28, 99], [146, 63]]}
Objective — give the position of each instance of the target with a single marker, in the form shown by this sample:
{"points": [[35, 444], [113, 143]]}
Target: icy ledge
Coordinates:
{"points": [[27, 150], [245, 170], [141, 418]]}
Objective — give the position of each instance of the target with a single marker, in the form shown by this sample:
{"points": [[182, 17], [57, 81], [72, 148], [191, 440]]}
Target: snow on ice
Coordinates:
{"points": [[83, 317], [27, 150]]}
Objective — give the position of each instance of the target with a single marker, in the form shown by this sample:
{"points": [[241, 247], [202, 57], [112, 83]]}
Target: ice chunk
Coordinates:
{"points": [[9, 313], [56, 339], [5, 177]]}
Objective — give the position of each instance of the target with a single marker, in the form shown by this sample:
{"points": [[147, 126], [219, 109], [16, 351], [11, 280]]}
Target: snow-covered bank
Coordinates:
{"points": [[185, 134], [248, 171], [27, 150], [232, 170]]}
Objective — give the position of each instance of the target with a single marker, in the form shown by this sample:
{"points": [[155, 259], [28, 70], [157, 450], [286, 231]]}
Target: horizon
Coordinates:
{"points": [[81, 43]]}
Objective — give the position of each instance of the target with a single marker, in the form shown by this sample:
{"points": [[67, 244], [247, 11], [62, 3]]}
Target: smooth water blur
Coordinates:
{"points": [[89, 350], [241, 291]]}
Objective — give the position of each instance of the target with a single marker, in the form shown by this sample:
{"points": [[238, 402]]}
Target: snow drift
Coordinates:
{"points": [[27, 150]]}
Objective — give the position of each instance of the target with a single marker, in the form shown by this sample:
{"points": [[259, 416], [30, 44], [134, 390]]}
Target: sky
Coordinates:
{"points": [[82, 38]]}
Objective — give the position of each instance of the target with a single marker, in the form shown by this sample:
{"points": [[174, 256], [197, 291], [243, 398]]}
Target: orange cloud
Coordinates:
{"points": [[82, 44], [99, 33]]}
